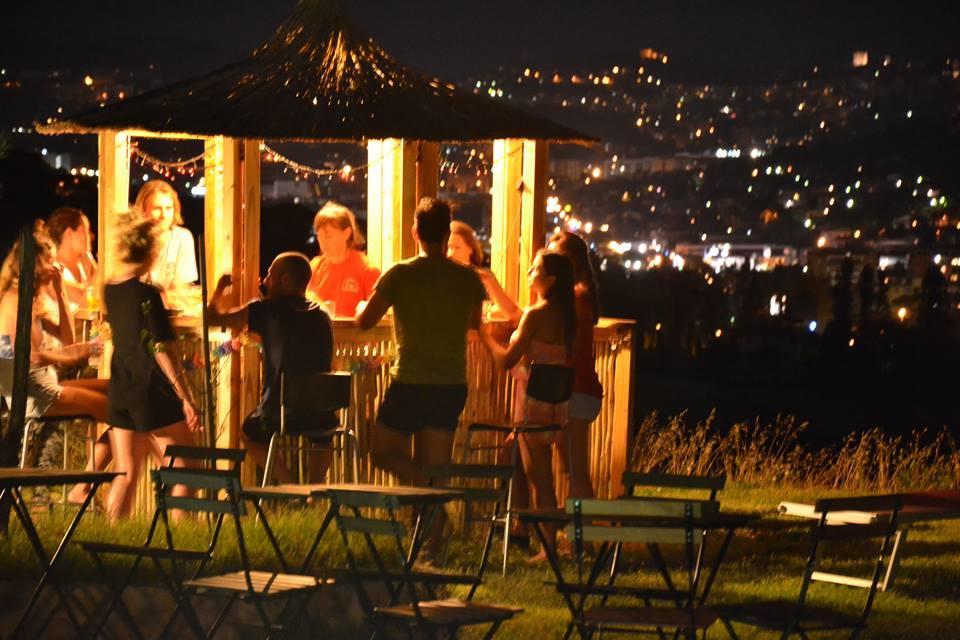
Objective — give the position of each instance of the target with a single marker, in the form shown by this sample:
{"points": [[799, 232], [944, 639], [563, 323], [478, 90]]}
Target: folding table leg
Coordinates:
{"points": [[23, 514], [894, 560]]}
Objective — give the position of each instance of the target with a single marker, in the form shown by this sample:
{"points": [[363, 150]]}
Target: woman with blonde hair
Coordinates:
{"points": [[151, 404], [342, 276], [176, 263], [463, 246], [46, 394]]}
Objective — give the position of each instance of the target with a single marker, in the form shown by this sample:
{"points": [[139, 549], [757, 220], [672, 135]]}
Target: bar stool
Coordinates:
{"points": [[306, 400]]}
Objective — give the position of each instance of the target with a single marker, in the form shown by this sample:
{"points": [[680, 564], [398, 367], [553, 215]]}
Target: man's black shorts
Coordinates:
{"points": [[412, 407]]}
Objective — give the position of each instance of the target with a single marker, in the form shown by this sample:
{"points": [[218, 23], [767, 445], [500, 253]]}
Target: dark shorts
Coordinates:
{"points": [[260, 430], [412, 407], [162, 409]]}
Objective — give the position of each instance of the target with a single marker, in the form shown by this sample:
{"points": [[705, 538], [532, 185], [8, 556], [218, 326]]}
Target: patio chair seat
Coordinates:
{"points": [[451, 612], [265, 583], [668, 617], [773, 615]]}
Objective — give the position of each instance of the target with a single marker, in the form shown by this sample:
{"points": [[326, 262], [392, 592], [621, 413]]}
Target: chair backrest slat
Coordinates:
{"points": [[888, 502], [198, 478], [645, 535], [633, 479], [644, 508], [205, 454], [210, 479], [199, 505], [853, 532]]}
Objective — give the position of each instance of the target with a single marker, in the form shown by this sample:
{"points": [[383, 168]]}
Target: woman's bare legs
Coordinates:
{"points": [[537, 457], [129, 450], [87, 397], [574, 449], [159, 440], [102, 456]]}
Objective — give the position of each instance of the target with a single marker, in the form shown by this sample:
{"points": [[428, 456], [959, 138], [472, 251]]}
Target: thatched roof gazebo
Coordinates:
{"points": [[319, 79]]}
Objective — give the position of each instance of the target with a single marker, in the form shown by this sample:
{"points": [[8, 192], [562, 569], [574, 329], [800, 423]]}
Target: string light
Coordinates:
{"points": [[272, 155], [167, 168]]}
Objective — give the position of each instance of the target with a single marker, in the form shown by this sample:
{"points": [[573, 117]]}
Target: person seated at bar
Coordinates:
{"points": [[297, 338], [545, 336], [342, 276], [151, 403], [47, 396], [465, 249], [69, 229], [435, 301], [176, 264]]}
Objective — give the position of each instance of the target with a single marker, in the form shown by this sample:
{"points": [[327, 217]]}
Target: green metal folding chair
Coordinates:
{"points": [[203, 457], [247, 585], [800, 617], [482, 504], [612, 523], [406, 606]]}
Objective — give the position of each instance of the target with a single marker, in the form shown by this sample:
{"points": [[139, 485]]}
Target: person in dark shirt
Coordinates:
{"points": [[151, 406], [297, 337]]}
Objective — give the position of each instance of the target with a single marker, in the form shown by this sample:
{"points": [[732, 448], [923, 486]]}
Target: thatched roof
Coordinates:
{"points": [[318, 79]]}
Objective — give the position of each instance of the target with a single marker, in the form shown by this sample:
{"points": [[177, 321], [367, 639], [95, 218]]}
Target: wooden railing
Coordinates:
{"points": [[369, 355]]}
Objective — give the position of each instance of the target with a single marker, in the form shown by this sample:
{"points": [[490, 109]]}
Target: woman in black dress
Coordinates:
{"points": [[150, 403]]}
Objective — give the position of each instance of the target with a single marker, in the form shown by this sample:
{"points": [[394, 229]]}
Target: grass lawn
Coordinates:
{"points": [[762, 563]]}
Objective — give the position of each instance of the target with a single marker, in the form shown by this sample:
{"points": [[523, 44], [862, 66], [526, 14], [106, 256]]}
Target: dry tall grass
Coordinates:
{"points": [[772, 455]]}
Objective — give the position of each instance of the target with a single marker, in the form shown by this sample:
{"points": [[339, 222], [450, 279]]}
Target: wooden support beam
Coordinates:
{"points": [[248, 248], [622, 408], [113, 197], [519, 212], [533, 211], [391, 200], [223, 241], [428, 170]]}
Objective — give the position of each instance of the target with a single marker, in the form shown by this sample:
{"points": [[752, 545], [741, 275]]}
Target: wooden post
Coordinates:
{"points": [[113, 198], [249, 249], [428, 170], [519, 210], [222, 224], [533, 211], [505, 223], [391, 199], [622, 409], [247, 245]]}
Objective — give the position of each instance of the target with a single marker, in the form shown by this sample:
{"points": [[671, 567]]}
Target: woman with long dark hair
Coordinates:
{"points": [[585, 403], [545, 336]]}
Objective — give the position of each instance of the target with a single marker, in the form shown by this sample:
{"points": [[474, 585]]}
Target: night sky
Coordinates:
{"points": [[735, 40]]}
